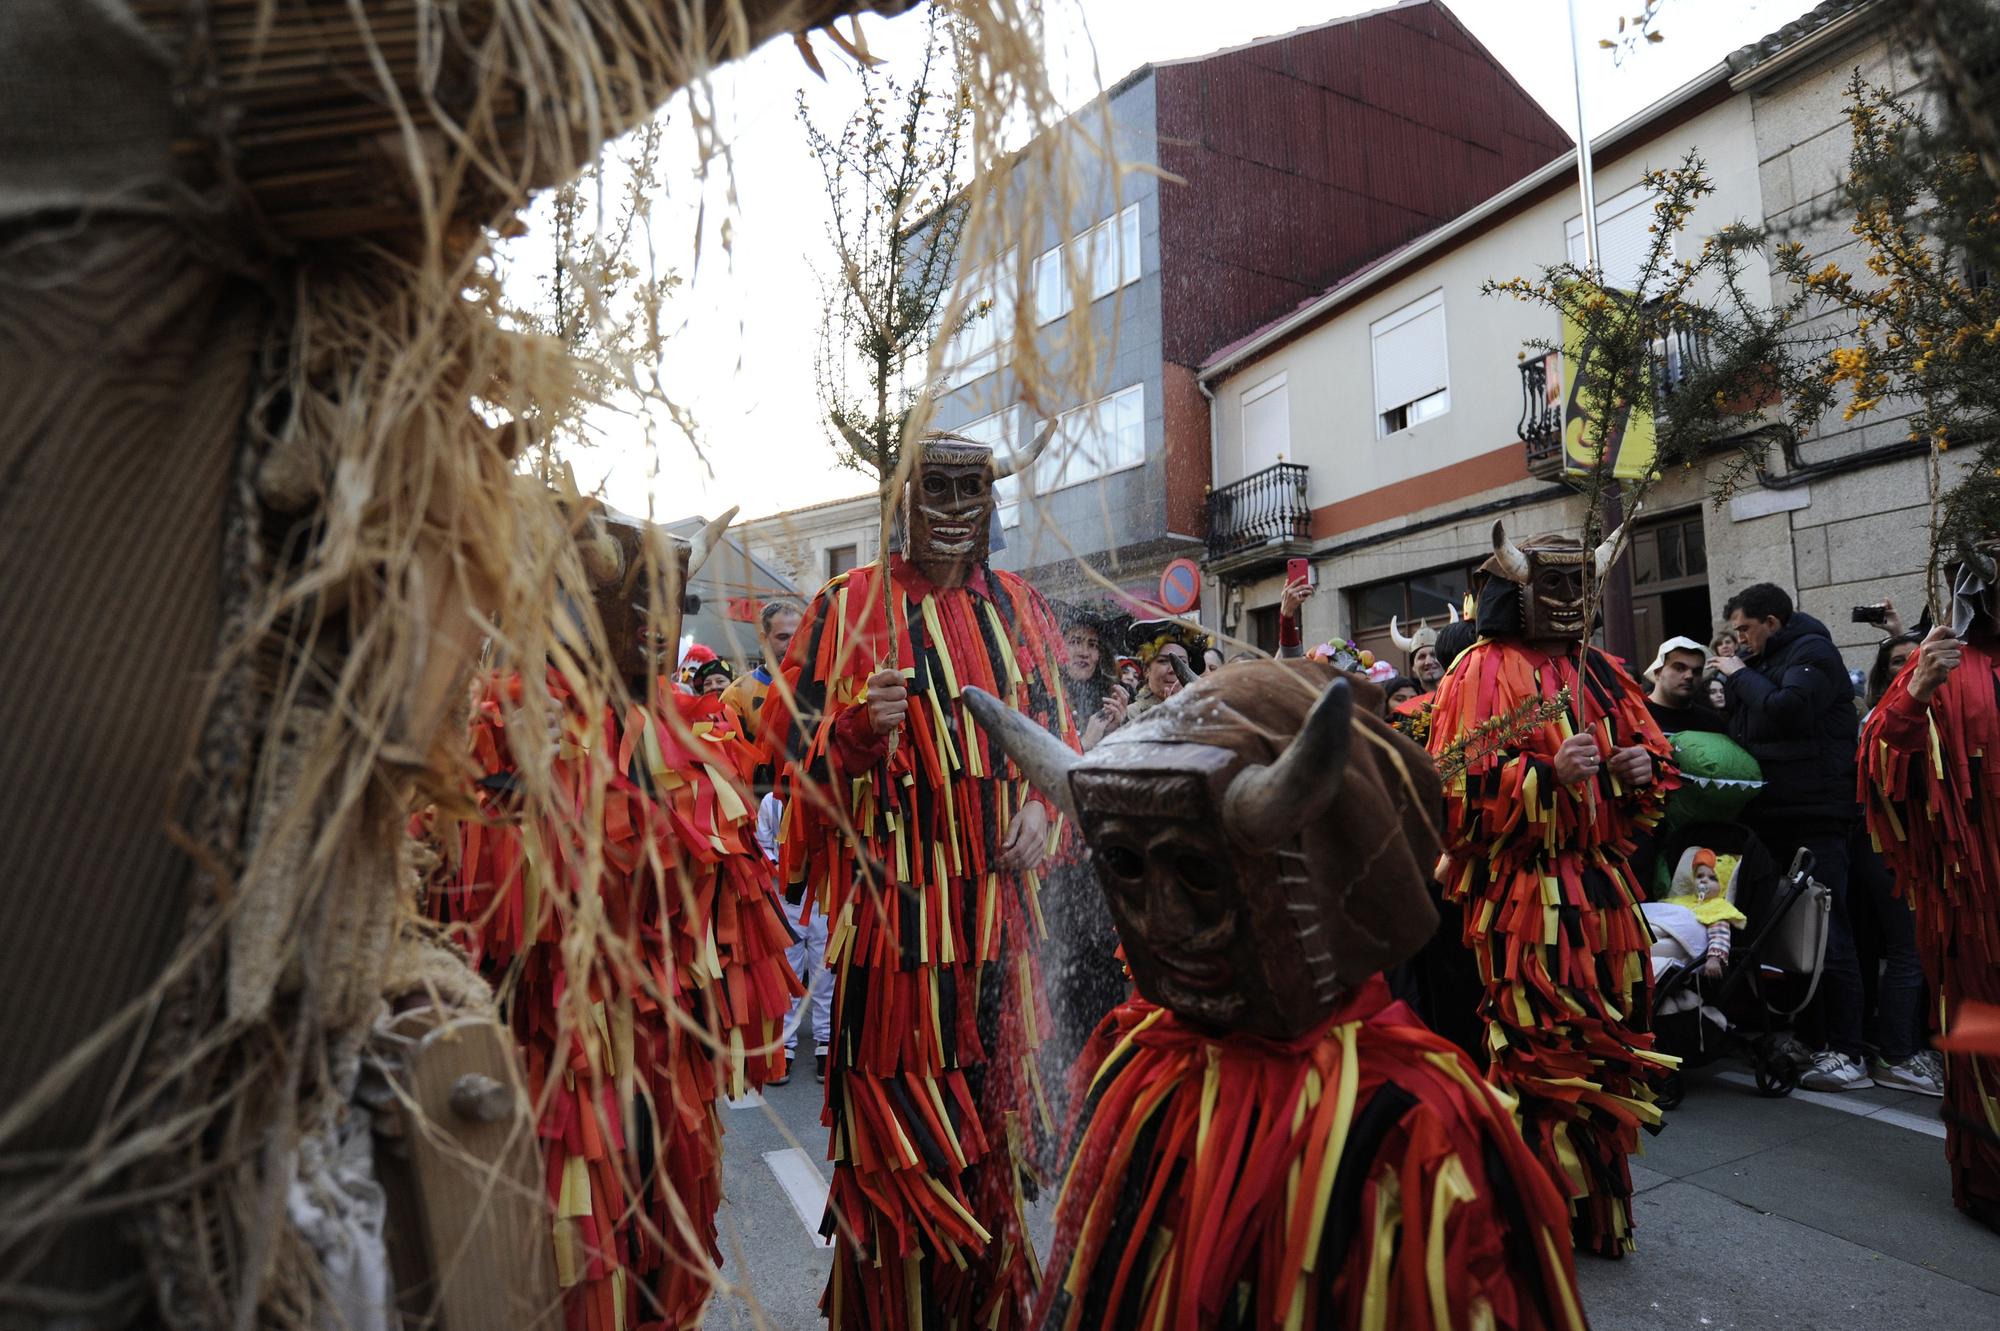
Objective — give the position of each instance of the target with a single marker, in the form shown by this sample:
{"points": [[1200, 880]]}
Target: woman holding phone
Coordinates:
{"points": [[1096, 699]]}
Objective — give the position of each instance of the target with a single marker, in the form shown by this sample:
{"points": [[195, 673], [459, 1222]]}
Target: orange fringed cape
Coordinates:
{"points": [[685, 991], [932, 1090], [1930, 783], [1552, 916], [1361, 1177]]}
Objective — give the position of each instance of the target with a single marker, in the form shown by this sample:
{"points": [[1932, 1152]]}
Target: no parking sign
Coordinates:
{"points": [[1180, 586]]}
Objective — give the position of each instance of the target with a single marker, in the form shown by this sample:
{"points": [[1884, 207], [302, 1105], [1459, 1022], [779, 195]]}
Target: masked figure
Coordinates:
{"points": [[1543, 804], [685, 935], [1269, 1140], [1930, 785], [921, 844]]}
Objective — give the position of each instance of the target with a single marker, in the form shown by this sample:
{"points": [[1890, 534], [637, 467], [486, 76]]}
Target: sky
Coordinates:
{"points": [[746, 234]]}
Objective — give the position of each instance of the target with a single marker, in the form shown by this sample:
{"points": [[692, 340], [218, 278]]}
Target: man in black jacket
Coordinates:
{"points": [[1791, 705]]}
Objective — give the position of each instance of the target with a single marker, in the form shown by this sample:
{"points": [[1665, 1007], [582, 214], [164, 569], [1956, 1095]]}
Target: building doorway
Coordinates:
{"points": [[1669, 562]]}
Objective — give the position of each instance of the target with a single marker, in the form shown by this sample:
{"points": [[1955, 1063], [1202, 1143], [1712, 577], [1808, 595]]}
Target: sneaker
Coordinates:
{"points": [[1919, 1072], [819, 1067], [786, 1077], [1833, 1071]]}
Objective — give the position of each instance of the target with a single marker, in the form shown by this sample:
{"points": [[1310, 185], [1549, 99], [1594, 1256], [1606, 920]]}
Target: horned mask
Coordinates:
{"points": [[639, 576], [1556, 576], [948, 502], [1263, 842]]}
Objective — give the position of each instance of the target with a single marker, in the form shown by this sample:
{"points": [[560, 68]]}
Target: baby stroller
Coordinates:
{"points": [[1772, 973]]}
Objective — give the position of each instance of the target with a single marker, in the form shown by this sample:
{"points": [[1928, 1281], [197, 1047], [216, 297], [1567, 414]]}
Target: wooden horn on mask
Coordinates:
{"points": [[1512, 563], [707, 539], [1042, 758], [1608, 551], [1268, 804], [1019, 462]]}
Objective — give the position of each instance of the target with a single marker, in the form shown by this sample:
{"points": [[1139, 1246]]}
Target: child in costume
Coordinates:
{"points": [[1269, 1141]]}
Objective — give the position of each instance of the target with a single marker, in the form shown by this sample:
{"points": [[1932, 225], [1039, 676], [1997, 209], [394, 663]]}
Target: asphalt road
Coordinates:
{"points": [[1816, 1211]]}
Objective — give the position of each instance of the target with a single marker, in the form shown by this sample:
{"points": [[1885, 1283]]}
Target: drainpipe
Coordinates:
{"points": [[1214, 461]]}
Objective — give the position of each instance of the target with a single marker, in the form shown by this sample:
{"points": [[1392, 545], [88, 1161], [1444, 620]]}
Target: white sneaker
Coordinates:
{"points": [[1919, 1072], [1833, 1071]]}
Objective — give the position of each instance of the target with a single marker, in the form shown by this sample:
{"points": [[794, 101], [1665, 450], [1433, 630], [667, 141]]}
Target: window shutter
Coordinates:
{"points": [[1410, 359], [1267, 429], [1622, 240]]}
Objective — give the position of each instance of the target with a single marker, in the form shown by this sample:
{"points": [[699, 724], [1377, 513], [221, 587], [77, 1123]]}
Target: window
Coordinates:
{"points": [[978, 349], [1110, 252], [1425, 596], [1100, 437], [839, 559], [1264, 628], [1002, 433], [1624, 238], [1411, 380], [1267, 425], [1051, 287], [1669, 551]]}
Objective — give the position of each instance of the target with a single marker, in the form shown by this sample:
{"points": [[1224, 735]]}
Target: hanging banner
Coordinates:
{"points": [[1628, 445]]}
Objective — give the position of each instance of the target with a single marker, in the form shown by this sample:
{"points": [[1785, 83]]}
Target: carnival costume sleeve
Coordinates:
{"points": [[933, 1096], [1361, 1177], [684, 947], [1930, 785], [1552, 909]]}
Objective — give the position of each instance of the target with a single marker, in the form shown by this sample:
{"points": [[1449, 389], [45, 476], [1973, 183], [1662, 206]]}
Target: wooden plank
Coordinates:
{"points": [[474, 1179]]}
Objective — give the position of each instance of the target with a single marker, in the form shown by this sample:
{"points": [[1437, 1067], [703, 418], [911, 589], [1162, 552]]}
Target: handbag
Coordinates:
{"points": [[1795, 938]]}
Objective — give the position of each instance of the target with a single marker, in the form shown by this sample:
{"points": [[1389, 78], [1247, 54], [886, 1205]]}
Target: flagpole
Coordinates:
{"points": [[1583, 167]]}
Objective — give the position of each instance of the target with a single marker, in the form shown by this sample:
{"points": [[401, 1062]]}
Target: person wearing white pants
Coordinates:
{"points": [[807, 956]]}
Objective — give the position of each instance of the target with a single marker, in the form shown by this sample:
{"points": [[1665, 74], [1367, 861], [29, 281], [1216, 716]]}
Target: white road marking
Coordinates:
{"points": [[1848, 1103], [749, 1100], [805, 1188]]}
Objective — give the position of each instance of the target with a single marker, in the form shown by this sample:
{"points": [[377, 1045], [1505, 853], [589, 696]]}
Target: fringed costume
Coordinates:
{"points": [[1552, 909], [1361, 1176], [932, 1091], [1268, 1140], [682, 998], [1930, 784]]}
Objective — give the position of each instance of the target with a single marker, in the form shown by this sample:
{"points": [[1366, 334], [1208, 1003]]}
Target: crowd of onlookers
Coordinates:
{"points": [[1770, 682]]}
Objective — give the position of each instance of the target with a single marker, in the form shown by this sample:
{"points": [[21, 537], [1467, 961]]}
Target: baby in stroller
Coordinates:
{"points": [[1692, 926]]}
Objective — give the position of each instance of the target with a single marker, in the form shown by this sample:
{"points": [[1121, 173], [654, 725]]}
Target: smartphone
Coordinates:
{"points": [[1300, 570], [1870, 614]]}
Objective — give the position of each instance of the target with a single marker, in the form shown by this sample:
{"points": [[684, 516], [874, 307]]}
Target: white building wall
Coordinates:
{"points": [[1411, 477]]}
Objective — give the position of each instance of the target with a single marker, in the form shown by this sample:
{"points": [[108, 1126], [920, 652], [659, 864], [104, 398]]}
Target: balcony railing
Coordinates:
{"points": [[1541, 424], [1677, 358], [1266, 511]]}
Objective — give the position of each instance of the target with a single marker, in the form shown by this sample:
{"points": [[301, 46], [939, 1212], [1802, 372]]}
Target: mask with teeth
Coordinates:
{"points": [[1555, 576], [948, 508]]}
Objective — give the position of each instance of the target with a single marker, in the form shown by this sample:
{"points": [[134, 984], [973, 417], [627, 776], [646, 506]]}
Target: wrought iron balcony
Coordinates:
{"points": [[1541, 424], [1677, 358], [1260, 519]]}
